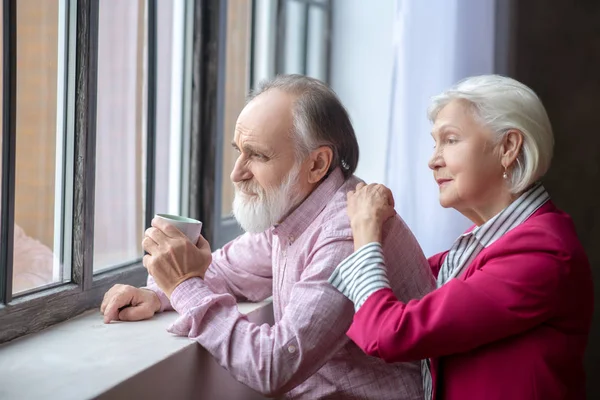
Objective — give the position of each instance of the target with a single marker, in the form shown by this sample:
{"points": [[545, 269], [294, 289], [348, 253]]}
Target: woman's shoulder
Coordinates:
{"points": [[549, 223], [548, 233], [544, 254]]}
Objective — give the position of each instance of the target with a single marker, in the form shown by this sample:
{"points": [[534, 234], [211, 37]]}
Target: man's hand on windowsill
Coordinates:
{"points": [[128, 303]]}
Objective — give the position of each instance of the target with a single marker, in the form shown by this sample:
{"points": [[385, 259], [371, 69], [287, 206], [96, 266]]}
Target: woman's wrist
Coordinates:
{"points": [[365, 232]]}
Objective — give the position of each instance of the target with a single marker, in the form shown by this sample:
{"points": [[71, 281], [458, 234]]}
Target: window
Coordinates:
{"points": [[84, 167], [121, 130], [114, 110], [122, 126], [39, 167]]}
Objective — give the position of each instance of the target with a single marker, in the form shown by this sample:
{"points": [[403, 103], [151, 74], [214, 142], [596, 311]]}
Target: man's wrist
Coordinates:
{"points": [[155, 300]]}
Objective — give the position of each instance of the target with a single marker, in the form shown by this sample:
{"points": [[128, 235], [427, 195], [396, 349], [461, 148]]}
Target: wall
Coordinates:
{"points": [[361, 74], [557, 53]]}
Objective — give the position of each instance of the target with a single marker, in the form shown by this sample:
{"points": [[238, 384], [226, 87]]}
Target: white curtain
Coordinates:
{"points": [[437, 42]]}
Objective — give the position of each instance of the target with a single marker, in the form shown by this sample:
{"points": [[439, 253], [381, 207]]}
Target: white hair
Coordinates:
{"points": [[503, 104]]}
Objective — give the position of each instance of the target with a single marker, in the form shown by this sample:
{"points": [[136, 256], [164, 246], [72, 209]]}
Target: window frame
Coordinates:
{"points": [[206, 115], [39, 309], [9, 106]]}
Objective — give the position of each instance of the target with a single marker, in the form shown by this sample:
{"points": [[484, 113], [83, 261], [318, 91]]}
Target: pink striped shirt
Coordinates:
{"points": [[306, 353]]}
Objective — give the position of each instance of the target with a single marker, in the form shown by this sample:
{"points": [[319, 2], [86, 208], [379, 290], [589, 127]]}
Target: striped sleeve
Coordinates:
{"points": [[361, 274]]}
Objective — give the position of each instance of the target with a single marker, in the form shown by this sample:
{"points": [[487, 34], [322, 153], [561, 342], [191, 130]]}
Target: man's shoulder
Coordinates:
{"points": [[333, 220], [408, 269]]}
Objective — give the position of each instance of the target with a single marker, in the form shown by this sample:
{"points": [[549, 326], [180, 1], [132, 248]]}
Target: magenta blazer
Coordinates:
{"points": [[514, 326]]}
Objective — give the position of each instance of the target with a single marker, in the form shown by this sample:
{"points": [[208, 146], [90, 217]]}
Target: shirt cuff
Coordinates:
{"points": [[189, 294], [361, 274]]}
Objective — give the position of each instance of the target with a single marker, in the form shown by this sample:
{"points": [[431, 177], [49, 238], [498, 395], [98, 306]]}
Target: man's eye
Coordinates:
{"points": [[260, 157]]}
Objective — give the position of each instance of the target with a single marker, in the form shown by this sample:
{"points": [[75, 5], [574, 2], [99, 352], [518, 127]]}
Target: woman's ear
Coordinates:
{"points": [[320, 161], [512, 142]]}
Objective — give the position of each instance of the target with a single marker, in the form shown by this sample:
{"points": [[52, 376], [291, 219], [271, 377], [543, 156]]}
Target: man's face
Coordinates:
{"points": [[266, 175]]}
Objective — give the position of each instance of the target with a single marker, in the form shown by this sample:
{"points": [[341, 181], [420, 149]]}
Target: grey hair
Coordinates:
{"points": [[320, 119], [503, 104]]}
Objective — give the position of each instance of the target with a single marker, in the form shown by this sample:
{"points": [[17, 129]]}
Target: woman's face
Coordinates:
{"points": [[466, 162]]}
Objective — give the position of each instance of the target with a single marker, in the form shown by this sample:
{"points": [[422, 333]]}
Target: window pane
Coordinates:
{"points": [[169, 94], [316, 49], [38, 192], [120, 131], [264, 41], [296, 15], [239, 15]]}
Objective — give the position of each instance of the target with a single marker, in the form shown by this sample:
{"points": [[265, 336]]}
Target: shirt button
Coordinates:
{"points": [[292, 349]]}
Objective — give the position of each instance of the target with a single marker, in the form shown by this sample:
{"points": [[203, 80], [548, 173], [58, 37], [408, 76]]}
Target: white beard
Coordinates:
{"points": [[257, 213]]}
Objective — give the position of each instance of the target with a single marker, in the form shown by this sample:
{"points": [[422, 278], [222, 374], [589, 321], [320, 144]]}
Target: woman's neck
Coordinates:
{"points": [[485, 211]]}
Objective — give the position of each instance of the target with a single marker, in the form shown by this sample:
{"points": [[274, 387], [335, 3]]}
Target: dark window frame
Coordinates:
{"points": [[39, 309]]}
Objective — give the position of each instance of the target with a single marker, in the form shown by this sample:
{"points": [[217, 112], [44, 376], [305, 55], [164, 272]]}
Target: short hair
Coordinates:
{"points": [[319, 118], [503, 104]]}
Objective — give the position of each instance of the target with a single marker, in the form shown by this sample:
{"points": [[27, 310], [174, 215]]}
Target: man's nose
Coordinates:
{"points": [[240, 172]]}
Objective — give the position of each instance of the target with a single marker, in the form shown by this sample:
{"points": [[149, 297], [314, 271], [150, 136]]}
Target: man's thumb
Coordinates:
{"points": [[135, 313]]}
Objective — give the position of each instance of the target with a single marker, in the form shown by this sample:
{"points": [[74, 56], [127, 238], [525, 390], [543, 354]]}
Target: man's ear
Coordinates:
{"points": [[320, 161]]}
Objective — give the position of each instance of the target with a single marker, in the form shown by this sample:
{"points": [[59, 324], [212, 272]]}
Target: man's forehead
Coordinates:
{"points": [[267, 118], [245, 137]]}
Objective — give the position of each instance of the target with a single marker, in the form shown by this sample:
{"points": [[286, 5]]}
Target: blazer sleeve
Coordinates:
{"points": [[507, 295], [436, 261]]}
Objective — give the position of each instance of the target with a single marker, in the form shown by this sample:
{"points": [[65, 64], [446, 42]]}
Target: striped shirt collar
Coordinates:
{"points": [[512, 216], [470, 244]]}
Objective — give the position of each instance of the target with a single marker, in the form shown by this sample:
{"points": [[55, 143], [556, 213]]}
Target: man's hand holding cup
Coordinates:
{"points": [[176, 251]]}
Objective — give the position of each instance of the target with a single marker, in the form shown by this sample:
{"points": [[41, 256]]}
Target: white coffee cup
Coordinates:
{"points": [[188, 226]]}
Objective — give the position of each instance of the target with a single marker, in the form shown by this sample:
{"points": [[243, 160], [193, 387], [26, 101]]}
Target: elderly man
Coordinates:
{"points": [[297, 153]]}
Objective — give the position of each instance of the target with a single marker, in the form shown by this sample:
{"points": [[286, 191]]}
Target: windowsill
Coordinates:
{"points": [[84, 358]]}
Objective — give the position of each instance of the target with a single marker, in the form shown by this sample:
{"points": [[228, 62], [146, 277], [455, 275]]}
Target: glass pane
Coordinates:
{"points": [[239, 15], [295, 37], [120, 130], [316, 50], [38, 193], [169, 92], [264, 40]]}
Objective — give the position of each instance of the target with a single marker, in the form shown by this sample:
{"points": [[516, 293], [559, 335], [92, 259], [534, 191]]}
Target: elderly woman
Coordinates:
{"points": [[512, 310]]}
